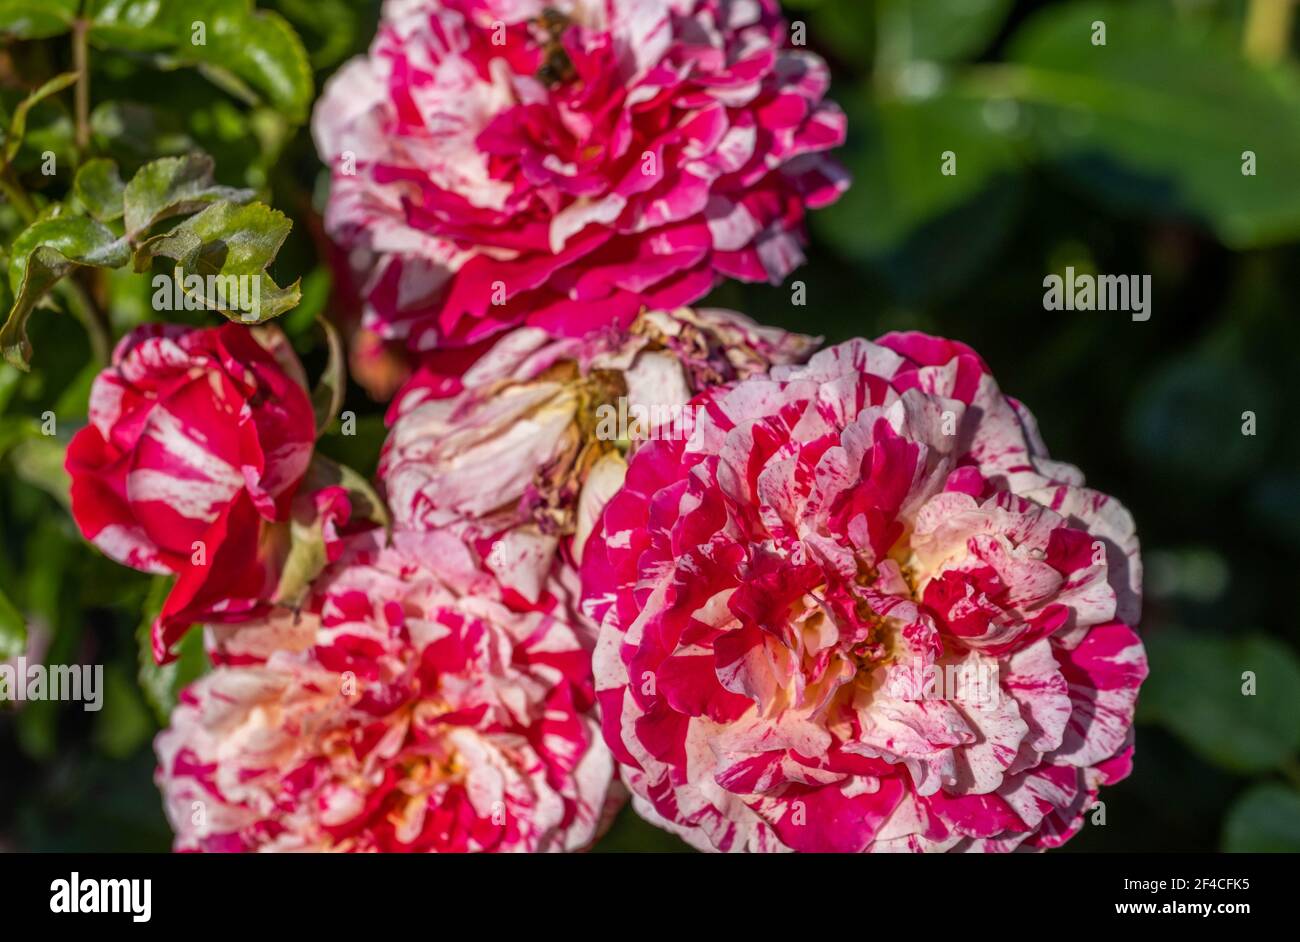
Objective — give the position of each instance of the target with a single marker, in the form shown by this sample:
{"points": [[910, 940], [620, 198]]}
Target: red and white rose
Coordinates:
{"points": [[565, 164], [860, 609], [408, 708], [197, 440]]}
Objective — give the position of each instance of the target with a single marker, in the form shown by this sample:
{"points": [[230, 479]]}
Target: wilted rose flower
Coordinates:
{"points": [[196, 439], [519, 454], [567, 163], [407, 708], [860, 609]]}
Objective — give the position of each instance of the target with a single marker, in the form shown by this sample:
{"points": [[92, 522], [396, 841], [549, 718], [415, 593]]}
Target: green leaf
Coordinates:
{"points": [[227, 240], [327, 397], [304, 561], [42, 254], [74, 401], [162, 684], [133, 25], [99, 188], [15, 429], [13, 629], [173, 186], [334, 24], [1266, 819], [264, 51], [136, 133], [1161, 115], [18, 122], [938, 32], [10, 378], [307, 556], [359, 450], [37, 19], [317, 287], [1195, 689], [366, 503], [39, 462], [902, 214], [845, 29], [49, 129], [127, 300], [239, 48]]}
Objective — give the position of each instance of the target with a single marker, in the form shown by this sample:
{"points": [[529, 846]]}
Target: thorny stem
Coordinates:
{"points": [[83, 307], [78, 299], [17, 196], [81, 62]]}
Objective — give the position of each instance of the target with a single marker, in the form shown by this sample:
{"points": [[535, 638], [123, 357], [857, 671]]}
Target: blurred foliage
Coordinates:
{"points": [[1122, 158]]}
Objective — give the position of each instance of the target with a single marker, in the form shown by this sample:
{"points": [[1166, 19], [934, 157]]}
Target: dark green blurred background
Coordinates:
{"points": [[1122, 159]]}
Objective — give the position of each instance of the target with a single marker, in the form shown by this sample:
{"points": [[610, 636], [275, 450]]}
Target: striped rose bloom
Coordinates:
{"points": [[196, 439], [518, 453], [860, 609], [565, 164], [407, 708]]}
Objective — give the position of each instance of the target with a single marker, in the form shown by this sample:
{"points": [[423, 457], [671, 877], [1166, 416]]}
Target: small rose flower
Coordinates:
{"points": [[566, 164], [406, 708], [197, 439], [860, 609], [518, 452]]}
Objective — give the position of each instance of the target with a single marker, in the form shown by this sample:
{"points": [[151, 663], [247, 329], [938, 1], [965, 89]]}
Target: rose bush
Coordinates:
{"points": [[841, 605], [197, 440], [566, 164], [406, 708], [860, 609]]}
